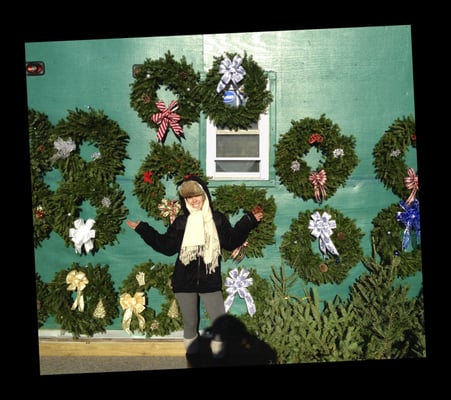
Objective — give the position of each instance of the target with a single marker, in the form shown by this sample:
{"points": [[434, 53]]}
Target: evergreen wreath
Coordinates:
{"points": [[312, 266], [389, 155], [42, 298], [387, 241], [95, 128], [163, 163], [83, 299], [67, 205], [231, 199], [253, 85], [177, 76], [142, 279], [39, 130], [338, 158]]}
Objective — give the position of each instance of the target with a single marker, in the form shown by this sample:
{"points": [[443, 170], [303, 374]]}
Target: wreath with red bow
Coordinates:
{"points": [[389, 155], [177, 76], [337, 158]]}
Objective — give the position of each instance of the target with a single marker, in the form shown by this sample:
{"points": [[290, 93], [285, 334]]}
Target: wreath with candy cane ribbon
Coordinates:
{"points": [[389, 155], [396, 237], [336, 163], [337, 240], [139, 304], [244, 79], [177, 76], [83, 300], [163, 163]]}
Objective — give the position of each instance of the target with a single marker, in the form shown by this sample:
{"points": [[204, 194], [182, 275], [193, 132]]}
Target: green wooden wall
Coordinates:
{"points": [[361, 78]]}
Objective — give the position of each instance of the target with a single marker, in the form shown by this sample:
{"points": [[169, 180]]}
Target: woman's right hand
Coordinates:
{"points": [[133, 224]]}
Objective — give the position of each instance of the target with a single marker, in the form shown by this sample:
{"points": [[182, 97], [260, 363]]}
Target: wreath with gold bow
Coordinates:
{"points": [[389, 157], [177, 76], [244, 80], [231, 200], [144, 291], [83, 300], [322, 245], [389, 239], [39, 130], [337, 158], [163, 163]]}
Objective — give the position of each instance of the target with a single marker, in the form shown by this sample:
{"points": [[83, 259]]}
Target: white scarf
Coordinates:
{"points": [[201, 237]]}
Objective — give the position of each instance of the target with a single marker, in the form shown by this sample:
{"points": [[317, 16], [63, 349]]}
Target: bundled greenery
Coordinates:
{"points": [[42, 299], [312, 266], [337, 156], [389, 154]]}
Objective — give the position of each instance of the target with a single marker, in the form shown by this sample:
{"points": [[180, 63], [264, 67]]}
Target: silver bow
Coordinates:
{"points": [[230, 71], [321, 227]]}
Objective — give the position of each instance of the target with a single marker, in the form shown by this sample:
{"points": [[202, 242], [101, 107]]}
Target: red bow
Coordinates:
{"points": [[411, 182], [167, 117], [318, 179]]}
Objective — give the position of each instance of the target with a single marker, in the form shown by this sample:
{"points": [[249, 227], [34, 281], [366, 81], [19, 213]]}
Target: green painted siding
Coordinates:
{"points": [[361, 78]]}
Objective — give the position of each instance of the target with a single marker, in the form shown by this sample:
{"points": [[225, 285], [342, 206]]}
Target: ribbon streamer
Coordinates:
{"points": [[411, 182], [82, 235], [167, 118], [318, 179], [411, 220], [321, 227], [77, 281], [133, 306], [237, 283]]}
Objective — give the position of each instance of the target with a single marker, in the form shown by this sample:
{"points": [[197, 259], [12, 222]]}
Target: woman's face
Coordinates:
{"points": [[196, 202]]}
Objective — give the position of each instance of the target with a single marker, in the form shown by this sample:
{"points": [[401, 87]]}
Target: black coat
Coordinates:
{"points": [[194, 277]]}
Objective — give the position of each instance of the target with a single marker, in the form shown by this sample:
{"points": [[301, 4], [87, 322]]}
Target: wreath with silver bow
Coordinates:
{"points": [[83, 300], [389, 155], [336, 163], [177, 76], [163, 163], [244, 80], [396, 237], [140, 297], [322, 245]]}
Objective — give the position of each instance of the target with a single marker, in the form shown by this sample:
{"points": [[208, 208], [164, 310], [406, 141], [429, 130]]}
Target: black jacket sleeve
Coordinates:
{"points": [[230, 236], [167, 243]]}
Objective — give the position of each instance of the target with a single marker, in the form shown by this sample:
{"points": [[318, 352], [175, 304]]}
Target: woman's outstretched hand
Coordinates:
{"points": [[133, 224], [258, 213]]}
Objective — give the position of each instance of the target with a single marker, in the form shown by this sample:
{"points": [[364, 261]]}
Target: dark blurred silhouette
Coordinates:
{"points": [[241, 347]]}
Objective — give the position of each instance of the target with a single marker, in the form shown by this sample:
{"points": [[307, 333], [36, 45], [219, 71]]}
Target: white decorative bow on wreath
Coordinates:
{"points": [[321, 227], [238, 282], [82, 235]]}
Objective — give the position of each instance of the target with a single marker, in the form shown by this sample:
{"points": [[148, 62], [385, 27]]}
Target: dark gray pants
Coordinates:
{"points": [[190, 308]]}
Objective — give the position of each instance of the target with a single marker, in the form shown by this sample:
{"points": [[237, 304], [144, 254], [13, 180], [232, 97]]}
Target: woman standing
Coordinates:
{"points": [[198, 235]]}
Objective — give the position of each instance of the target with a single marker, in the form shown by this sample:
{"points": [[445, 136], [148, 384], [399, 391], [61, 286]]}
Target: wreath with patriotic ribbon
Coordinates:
{"points": [[322, 245], [140, 298], [389, 158], [177, 76], [337, 160], [163, 163], [244, 80], [39, 131], [231, 200], [396, 237], [83, 300]]}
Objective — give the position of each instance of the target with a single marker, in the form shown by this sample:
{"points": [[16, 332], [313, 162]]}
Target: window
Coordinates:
{"points": [[243, 154]]}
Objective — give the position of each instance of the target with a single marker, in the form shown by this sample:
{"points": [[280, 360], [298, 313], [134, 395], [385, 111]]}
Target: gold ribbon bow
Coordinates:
{"points": [[133, 306], [77, 281]]}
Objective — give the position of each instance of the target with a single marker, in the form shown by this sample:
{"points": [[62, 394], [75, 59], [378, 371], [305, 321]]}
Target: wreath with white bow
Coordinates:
{"points": [[336, 163], [244, 80], [322, 245], [83, 300]]}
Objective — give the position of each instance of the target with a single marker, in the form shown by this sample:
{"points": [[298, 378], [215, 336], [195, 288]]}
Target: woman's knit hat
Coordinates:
{"points": [[190, 189]]}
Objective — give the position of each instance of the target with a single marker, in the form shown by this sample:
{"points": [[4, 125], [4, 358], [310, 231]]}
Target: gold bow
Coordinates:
{"points": [[133, 306], [77, 281]]}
